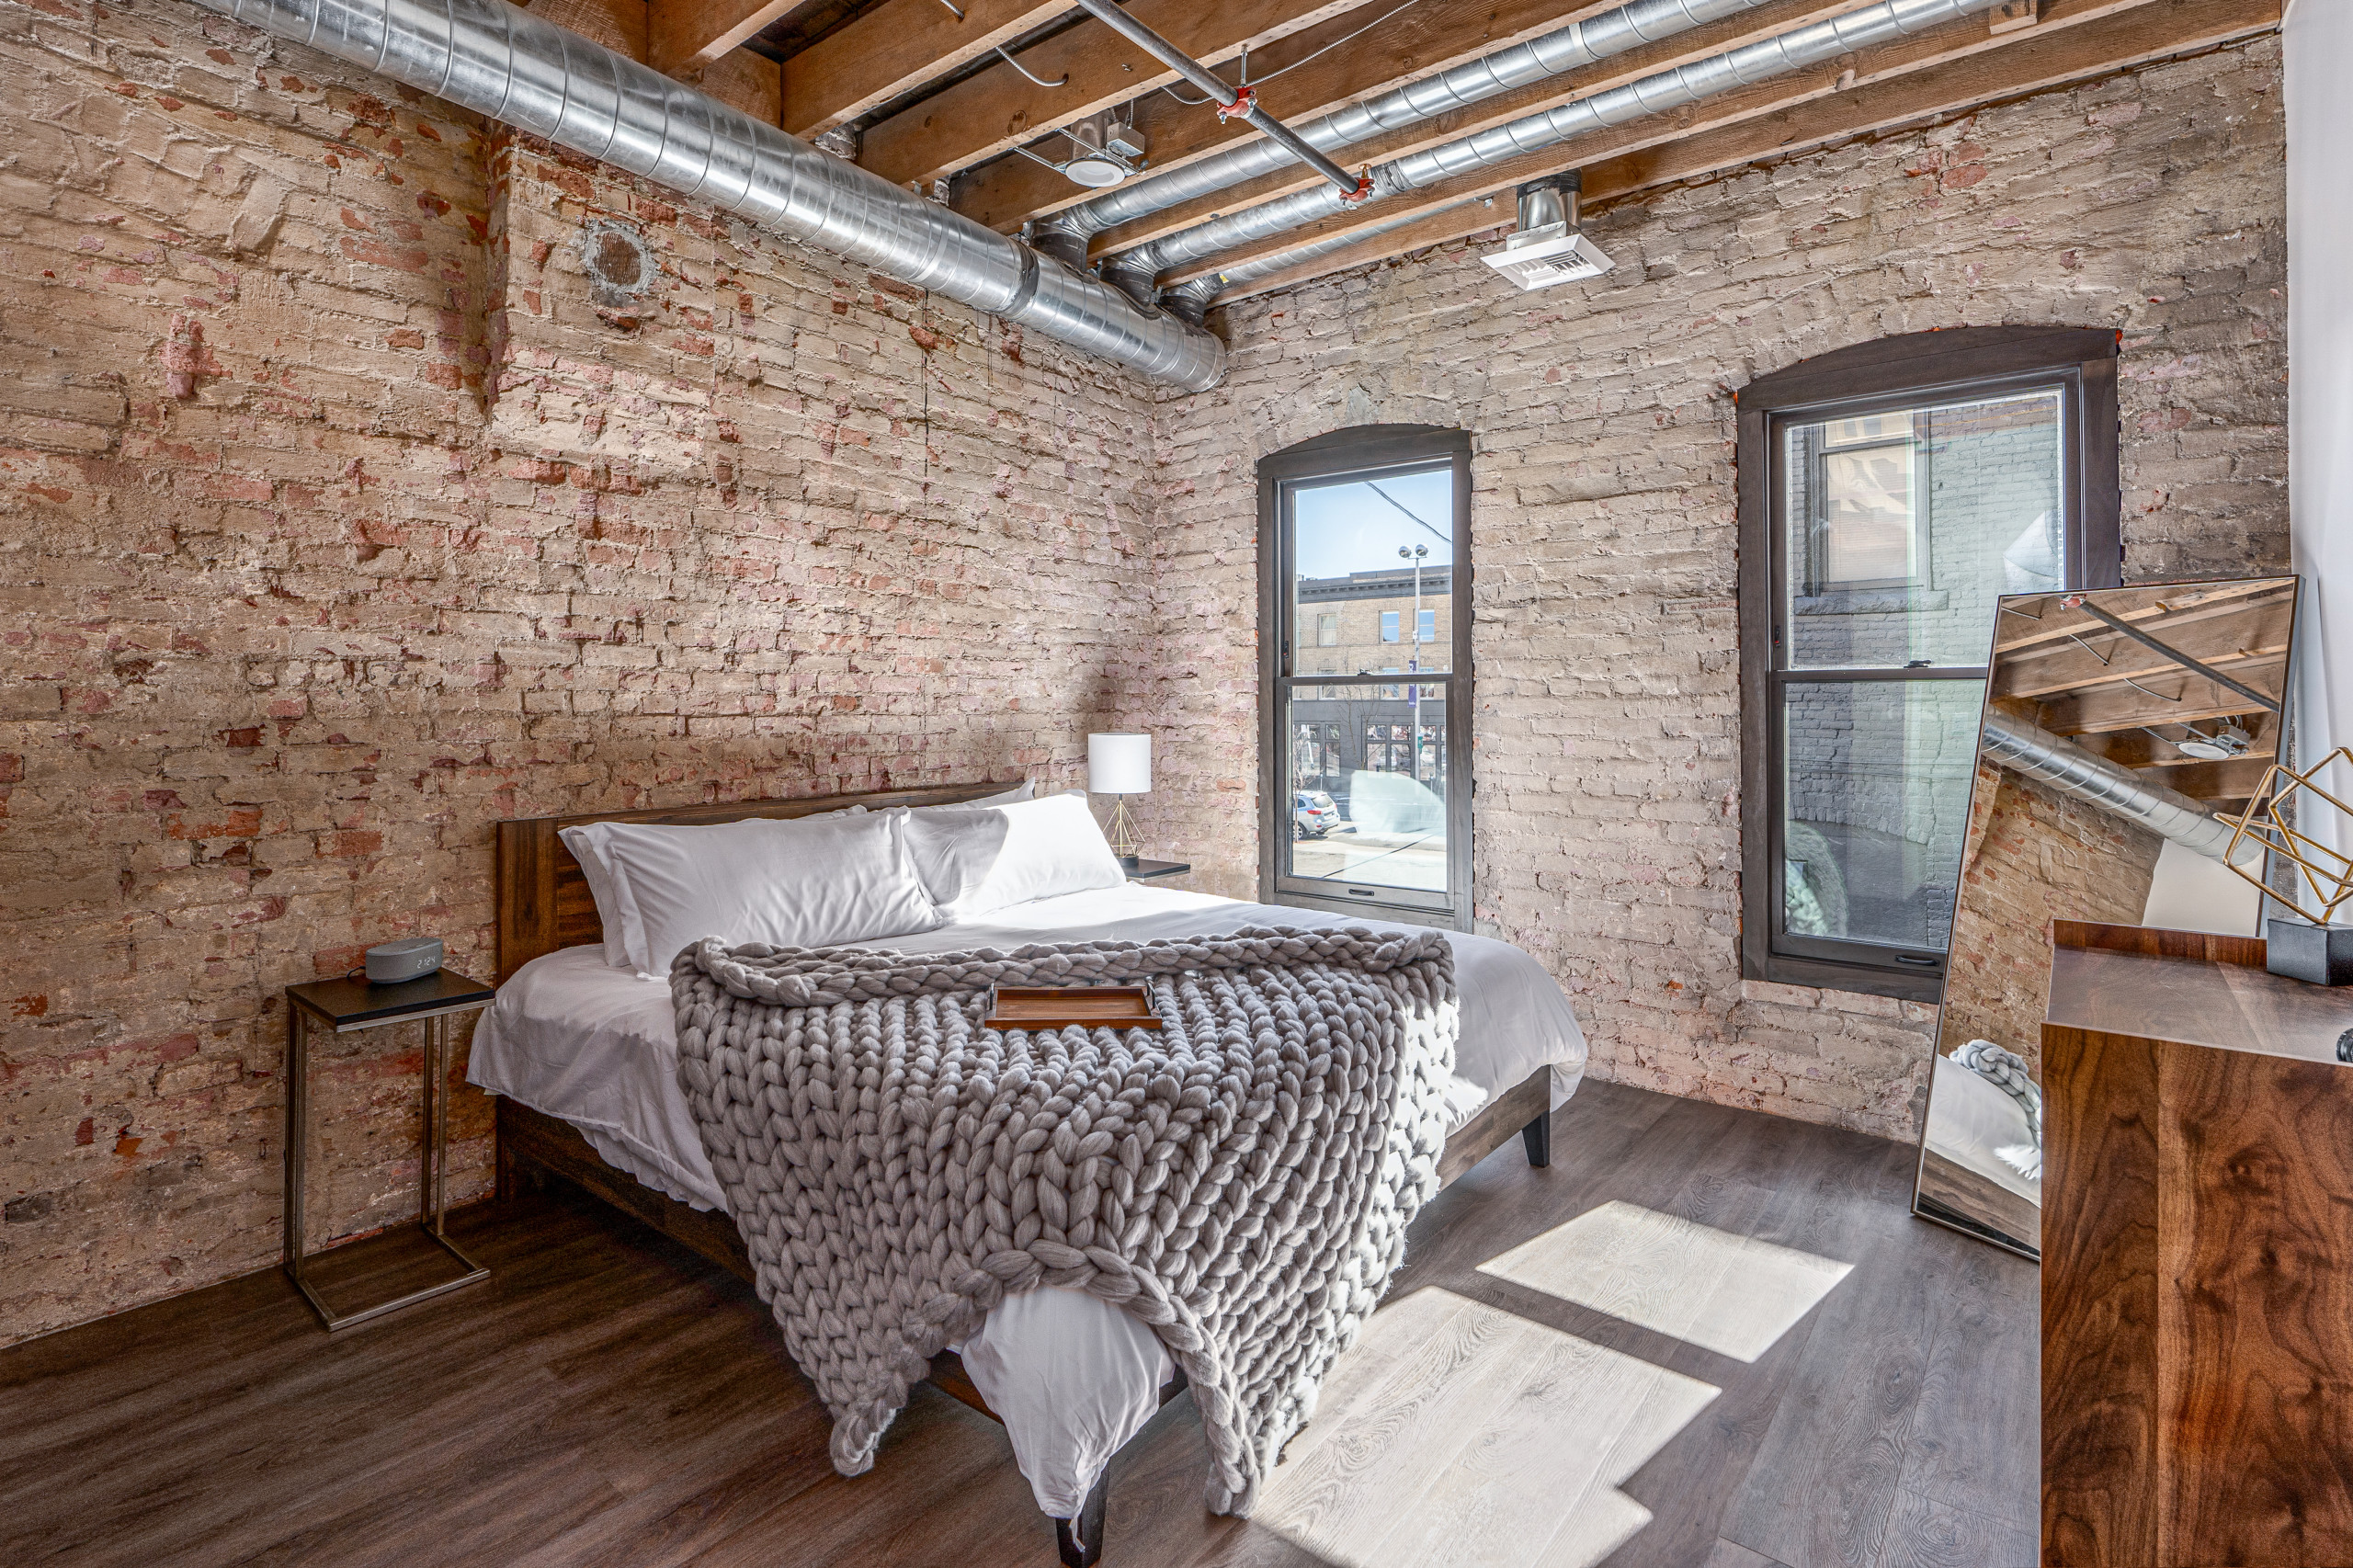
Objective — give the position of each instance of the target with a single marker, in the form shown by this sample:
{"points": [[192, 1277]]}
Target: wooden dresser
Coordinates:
{"points": [[2196, 1257]]}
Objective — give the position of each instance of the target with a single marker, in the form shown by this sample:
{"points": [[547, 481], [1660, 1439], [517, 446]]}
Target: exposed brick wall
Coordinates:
{"points": [[2034, 855], [338, 524], [1603, 520]]}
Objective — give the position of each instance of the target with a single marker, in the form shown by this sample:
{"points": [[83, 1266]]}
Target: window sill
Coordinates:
{"points": [[1824, 974]]}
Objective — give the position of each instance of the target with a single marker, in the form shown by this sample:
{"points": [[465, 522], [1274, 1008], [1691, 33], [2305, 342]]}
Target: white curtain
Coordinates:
{"points": [[2319, 54]]}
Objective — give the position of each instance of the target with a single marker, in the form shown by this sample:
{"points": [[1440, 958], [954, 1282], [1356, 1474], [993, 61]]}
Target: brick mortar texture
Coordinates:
{"points": [[437, 541], [1603, 520], [340, 522]]}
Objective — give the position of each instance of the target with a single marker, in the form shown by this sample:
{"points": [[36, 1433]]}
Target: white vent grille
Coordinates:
{"points": [[1538, 258]]}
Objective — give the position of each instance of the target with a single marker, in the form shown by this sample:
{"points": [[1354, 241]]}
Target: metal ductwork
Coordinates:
{"points": [[1579, 44], [1788, 51], [1192, 301], [2038, 754], [509, 66]]}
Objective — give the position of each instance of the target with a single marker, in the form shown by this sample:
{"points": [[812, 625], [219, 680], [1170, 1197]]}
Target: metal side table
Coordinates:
{"points": [[345, 1005]]}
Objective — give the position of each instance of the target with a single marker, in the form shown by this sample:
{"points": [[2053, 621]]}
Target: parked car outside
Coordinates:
{"points": [[1313, 814]]}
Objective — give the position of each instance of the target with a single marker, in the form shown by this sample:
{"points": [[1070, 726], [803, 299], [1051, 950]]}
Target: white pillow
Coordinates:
{"points": [[805, 883], [979, 858], [588, 846], [624, 934]]}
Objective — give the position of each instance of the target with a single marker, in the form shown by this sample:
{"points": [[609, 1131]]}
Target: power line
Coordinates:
{"points": [[1442, 539]]}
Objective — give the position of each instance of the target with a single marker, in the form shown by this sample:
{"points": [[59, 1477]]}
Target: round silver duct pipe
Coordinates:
{"points": [[505, 63], [1192, 301], [1579, 44], [2067, 767], [1788, 51]]}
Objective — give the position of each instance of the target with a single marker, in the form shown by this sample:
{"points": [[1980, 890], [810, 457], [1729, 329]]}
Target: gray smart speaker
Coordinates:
{"points": [[411, 959]]}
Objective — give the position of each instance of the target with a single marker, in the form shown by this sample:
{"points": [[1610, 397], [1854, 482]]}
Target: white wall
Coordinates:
{"points": [[2191, 893], [2319, 62]]}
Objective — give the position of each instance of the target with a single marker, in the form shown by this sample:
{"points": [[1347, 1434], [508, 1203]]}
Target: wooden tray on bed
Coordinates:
{"points": [[1059, 1007]]}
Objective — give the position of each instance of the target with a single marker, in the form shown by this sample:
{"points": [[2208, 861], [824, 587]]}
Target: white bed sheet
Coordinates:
{"points": [[1072, 1376], [1969, 1118]]}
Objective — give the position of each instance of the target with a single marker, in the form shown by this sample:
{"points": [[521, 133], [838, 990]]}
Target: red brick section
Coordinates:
{"points": [[2042, 857], [339, 523], [1607, 722]]}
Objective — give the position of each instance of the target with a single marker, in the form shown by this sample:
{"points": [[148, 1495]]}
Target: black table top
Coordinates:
{"points": [[347, 1003], [1139, 870]]}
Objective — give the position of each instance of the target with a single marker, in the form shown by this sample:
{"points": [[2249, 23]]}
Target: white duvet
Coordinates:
{"points": [[1072, 1376], [1970, 1120]]}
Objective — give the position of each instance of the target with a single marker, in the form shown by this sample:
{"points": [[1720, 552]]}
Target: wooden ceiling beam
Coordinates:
{"points": [[2215, 783], [2187, 699], [684, 36], [2215, 642], [1433, 35], [889, 52], [1812, 110], [1666, 55], [2052, 626], [2141, 749], [996, 109], [2153, 671]]}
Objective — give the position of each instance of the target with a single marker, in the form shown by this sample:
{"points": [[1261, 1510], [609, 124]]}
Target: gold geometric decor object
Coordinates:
{"points": [[2327, 876]]}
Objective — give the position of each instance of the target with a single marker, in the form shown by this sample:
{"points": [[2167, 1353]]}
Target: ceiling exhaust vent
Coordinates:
{"points": [[1549, 248]]}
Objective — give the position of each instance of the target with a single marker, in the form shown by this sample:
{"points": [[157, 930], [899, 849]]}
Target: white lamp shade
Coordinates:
{"points": [[1118, 765]]}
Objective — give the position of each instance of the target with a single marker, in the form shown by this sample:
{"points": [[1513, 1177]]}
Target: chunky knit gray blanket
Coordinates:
{"points": [[1240, 1180]]}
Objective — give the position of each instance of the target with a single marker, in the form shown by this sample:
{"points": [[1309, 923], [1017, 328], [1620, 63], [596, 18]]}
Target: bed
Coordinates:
{"points": [[1963, 1171], [584, 1056]]}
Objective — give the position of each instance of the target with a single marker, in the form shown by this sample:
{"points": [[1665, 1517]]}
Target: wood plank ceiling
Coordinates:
{"points": [[2065, 671], [935, 98]]}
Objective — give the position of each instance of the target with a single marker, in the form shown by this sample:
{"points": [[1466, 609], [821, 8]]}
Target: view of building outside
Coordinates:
{"points": [[1368, 763], [1900, 530]]}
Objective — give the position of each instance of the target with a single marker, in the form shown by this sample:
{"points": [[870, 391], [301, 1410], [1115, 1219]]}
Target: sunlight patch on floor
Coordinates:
{"points": [[1727, 1293], [1454, 1433]]}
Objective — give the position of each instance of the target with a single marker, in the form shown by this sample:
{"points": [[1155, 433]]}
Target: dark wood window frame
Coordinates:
{"points": [[1869, 377], [1363, 451]]}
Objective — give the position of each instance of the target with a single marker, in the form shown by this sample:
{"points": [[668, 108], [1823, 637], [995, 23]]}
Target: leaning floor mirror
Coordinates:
{"points": [[2119, 725]]}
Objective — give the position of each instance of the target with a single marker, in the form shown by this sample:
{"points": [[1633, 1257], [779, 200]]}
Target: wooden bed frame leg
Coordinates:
{"points": [[1538, 1136], [1081, 1540]]}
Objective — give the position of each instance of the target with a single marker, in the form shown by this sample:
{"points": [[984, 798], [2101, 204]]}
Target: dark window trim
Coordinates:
{"points": [[1867, 378], [1366, 450]]}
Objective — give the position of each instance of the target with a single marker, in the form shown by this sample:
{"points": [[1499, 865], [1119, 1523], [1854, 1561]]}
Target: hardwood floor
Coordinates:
{"points": [[1650, 1373]]}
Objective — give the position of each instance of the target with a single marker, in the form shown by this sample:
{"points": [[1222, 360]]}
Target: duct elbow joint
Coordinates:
{"points": [[1135, 282], [1064, 241], [1189, 303]]}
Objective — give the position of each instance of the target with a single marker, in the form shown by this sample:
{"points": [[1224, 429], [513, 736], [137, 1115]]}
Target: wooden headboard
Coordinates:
{"points": [[543, 898]]}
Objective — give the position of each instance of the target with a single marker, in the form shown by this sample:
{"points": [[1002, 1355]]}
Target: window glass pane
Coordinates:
{"points": [[1372, 558], [1369, 775], [1875, 798], [1899, 530]]}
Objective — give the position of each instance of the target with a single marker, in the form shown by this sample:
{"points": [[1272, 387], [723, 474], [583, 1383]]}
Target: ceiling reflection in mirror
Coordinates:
{"points": [[2123, 727]]}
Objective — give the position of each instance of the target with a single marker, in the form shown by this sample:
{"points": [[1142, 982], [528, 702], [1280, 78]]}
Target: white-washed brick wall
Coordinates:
{"points": [[1603, 525]]}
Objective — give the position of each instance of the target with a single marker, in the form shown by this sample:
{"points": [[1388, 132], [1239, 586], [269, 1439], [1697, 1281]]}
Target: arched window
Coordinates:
{"points": [[1364, 696], [1888, 492]]}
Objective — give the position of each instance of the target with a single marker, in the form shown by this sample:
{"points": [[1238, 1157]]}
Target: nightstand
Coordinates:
{"points": [[1142, 870], [345, 1005]]}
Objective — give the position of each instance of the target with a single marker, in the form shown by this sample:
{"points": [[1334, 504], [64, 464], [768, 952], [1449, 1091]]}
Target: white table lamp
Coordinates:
{"points": [[1119, 764]]}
